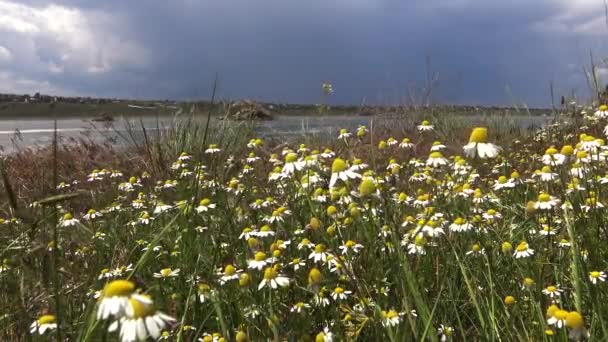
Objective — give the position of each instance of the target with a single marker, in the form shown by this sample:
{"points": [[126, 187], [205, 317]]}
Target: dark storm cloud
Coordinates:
{"points": [[483, 51]]}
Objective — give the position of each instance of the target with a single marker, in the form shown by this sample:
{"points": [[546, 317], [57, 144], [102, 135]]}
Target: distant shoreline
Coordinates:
{"points": [[44, 106]]}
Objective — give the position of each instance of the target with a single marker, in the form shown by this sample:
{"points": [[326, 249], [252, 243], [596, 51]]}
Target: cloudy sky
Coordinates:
{"points": [[482, 51]]}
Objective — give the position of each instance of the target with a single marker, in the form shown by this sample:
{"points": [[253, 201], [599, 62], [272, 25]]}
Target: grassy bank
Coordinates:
{"points": [[21, 110], [389, 232]]}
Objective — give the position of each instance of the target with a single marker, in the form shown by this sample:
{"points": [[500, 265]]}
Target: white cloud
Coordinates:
{"points": [[5, 54], [48, 40], [576, 17]]}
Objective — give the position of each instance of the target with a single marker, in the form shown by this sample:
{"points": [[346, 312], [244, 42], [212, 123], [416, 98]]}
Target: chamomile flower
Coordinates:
{"points": [[259, 261], [299, 307], [556, 316], [319, 254], [166, 273], [546, 202], [391, 318], [479, 146], [406, 144], [43, 324], [597, 276], [601, 112], [141, 320], [204, 205], [68, 220], [436, 159], [340, 294], [213, 149], [425, 126], [114, 298], [273, 279], [460, 225], [523, 250], [344, 134], [340, 171], [553, 291], [350, 246]]}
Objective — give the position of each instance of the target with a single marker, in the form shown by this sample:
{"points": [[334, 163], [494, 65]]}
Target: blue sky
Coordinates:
{"points": [[482, 51]]}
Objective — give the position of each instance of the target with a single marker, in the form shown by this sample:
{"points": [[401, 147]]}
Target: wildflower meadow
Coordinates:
{"points": [[422, 233]]}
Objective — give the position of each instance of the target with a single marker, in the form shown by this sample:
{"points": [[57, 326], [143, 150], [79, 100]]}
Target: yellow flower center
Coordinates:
{"points": [[314, 276], [551, 151], [367, 187], [567, 150], [165, 272], [419, 241], [603, 108], [141, 309], [67, 216], [118, 288], [509, 300], [523, 246], [205, 202], [479, 135], [338, 165], [291, 157], [502, 179], [544, 197], [270, 273], [46, 319], [339, 290], [574, 320], [229, 270], [435, 154], [320, 248], [560, 314], [595, 274], [259, 256], [551, 288]]}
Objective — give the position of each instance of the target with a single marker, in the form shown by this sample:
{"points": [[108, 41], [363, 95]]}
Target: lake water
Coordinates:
{"points": [[37, 132]]}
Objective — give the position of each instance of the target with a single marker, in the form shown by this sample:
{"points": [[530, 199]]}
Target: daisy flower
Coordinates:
{"points": [[167, 273], [556, 316], [350, 245], [204, 205], [299, 307], [319, 253], [406, 144], [273, 279], [340, 294], [212, 149], [436, 159], [43, 324], [425, 126], [340, 170], [601, 112], [445, 332], [460, 225], [68, 220], [141, 321], [553, 291], [344, 134], [596, 276], [523, 250], [229, 273], [478, 145], [259, 261], [391, 318], [114, 298], [546, 202], [292, 164]]}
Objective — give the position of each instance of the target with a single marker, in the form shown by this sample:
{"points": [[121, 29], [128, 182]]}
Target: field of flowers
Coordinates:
{"points": [[378, 239]]}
